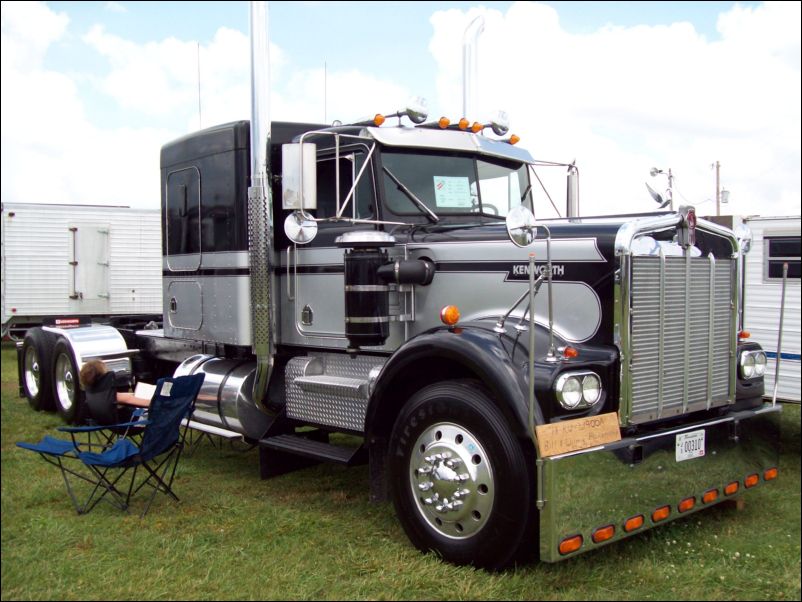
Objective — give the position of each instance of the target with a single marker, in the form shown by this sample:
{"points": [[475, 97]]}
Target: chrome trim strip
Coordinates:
{"points": [[366, 288], [687, 347], [662, 326], [379, 320], [711, 329]]}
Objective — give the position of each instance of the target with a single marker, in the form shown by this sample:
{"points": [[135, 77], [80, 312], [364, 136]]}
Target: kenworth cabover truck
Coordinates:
{"points": [[515, 385]]}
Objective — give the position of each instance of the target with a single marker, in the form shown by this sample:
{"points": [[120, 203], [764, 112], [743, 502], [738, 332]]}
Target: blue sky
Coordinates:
{"points": [[618, 86]]}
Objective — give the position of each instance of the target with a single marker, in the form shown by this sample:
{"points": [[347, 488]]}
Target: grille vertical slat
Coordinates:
{"points": [[680, 362]]}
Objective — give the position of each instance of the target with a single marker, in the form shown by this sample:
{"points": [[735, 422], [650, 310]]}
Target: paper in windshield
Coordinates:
{"points": [[452, 192]]}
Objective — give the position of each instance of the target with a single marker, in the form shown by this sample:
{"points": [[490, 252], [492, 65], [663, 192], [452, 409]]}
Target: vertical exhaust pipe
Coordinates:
{"points": [[470, 65], [260, 207]]}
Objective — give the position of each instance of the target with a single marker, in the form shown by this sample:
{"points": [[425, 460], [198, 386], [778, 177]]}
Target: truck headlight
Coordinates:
{"points": [[578, 389], [752, 364], [760, 363]]}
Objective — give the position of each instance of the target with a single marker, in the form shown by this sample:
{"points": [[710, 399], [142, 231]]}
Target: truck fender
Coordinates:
{"points": [[468, 351]]}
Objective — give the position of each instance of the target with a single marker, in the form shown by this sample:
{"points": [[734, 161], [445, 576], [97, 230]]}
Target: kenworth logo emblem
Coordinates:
{"points": [[520, 271]]}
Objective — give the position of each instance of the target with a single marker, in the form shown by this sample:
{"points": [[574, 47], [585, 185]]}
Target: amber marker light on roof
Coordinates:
{"points": [[477, 127], [732, 488], [751, 480], [770, 474], [463, 124], [444, 122], [710, 496], [570, 544], [514, 139], [634, 523], [449, 315], [378, 119], [661, 513]]}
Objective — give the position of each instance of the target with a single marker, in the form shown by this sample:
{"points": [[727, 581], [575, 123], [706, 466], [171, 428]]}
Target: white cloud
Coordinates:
{"points": [[621, 100]]}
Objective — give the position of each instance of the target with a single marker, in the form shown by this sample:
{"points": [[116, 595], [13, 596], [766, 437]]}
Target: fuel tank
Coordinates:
{"points": [[225, 399]]}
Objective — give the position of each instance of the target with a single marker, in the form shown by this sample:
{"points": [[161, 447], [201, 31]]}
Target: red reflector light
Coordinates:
{"points": [[770, 474], [751, 480], [732, 488], [687, 504], [570, 544], [603, 534], [710, 496], [661, 513], [634, 523]]}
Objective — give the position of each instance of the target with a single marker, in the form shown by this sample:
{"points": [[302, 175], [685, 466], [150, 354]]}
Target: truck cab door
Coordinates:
{"points": [[315, 285]]}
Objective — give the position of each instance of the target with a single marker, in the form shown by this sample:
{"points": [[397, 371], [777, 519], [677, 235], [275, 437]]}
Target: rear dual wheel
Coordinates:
{"points": [[460, 481], [66, 388]]}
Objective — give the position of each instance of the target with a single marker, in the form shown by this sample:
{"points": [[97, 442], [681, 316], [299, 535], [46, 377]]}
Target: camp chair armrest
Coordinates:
{"points": [[95, 428]]}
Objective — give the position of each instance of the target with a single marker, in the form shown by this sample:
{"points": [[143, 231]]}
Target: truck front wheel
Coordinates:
{"points": [[459, 478]]}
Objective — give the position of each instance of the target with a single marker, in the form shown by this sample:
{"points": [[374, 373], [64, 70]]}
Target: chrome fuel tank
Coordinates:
{"points": [[226, 398]]}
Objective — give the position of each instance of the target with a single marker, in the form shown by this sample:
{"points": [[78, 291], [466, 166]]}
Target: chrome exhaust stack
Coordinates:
{"points": [[260, 207]]}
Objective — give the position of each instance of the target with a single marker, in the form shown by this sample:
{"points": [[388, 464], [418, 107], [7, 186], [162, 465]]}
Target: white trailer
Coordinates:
{"points": [[78, 260], [776, 240]]}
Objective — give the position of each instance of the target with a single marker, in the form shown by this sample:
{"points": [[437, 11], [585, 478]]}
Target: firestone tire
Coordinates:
{"points": [[67, 392], [459, 478], [37, 356]]}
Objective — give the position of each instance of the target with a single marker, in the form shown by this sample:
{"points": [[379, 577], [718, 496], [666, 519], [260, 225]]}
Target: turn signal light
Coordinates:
{"points": [[751, 480], [570, 352], [732, 488], [444, 122], [378, 119], [770, 474], [570, 544], [661, 514], [449, 315], [744, 334], [463, 124], [710, 496], [687, 504], [634, 523], [603, 534]]}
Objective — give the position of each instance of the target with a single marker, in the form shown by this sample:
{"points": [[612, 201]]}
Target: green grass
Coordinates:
{"points": [[313, 534]]}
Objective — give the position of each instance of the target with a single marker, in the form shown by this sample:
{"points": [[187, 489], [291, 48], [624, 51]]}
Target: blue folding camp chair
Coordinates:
{"points": [[158, 453]]}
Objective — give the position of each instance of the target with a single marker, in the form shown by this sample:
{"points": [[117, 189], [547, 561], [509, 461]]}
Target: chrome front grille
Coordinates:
{"points": [[681, 332]]}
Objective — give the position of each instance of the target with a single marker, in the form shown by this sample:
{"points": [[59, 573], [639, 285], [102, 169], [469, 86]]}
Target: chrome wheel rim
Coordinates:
{"points": [[451, 479], [32, 372], [65, 382]]}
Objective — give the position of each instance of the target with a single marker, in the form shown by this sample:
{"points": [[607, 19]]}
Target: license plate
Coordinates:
{"points": [[690, 445]]}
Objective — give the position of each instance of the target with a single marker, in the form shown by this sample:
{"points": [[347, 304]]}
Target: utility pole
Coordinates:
{"points": [[718, 188]]}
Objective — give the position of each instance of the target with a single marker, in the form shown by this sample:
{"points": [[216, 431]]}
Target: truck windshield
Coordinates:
{"points": [[453, 184]]}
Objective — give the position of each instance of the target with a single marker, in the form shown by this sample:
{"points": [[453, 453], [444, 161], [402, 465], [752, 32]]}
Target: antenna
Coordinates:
{"points": [[325, 90]]}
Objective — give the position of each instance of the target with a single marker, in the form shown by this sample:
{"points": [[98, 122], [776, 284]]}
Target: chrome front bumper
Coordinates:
{"points": [[581, 492]]}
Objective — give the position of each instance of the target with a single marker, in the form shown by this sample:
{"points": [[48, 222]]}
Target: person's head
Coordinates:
{"points": [[91, 371]]}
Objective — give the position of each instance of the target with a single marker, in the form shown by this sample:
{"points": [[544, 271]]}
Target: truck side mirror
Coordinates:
{"points": [[299, 176]]}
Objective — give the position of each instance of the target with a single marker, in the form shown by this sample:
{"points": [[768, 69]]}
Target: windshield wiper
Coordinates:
{"points": [[411, 196]]}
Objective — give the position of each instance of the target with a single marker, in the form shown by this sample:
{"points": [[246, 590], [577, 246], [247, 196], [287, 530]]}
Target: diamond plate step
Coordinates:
{"points": [[341, 386]]}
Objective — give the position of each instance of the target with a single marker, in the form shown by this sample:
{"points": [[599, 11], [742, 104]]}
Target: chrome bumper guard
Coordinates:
{"points": [[587, 492]]}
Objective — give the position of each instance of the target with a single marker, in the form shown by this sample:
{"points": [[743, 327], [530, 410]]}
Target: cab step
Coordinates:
{"points": [[284, 453]]}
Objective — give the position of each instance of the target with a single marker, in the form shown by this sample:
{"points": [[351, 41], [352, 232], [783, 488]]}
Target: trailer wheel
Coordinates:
{"points": [[66, 389], [37, 355], [459, 478]]}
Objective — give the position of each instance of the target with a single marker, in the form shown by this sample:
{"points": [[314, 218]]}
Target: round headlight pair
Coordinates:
{"points": [[753, 364], [578, 389]]}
